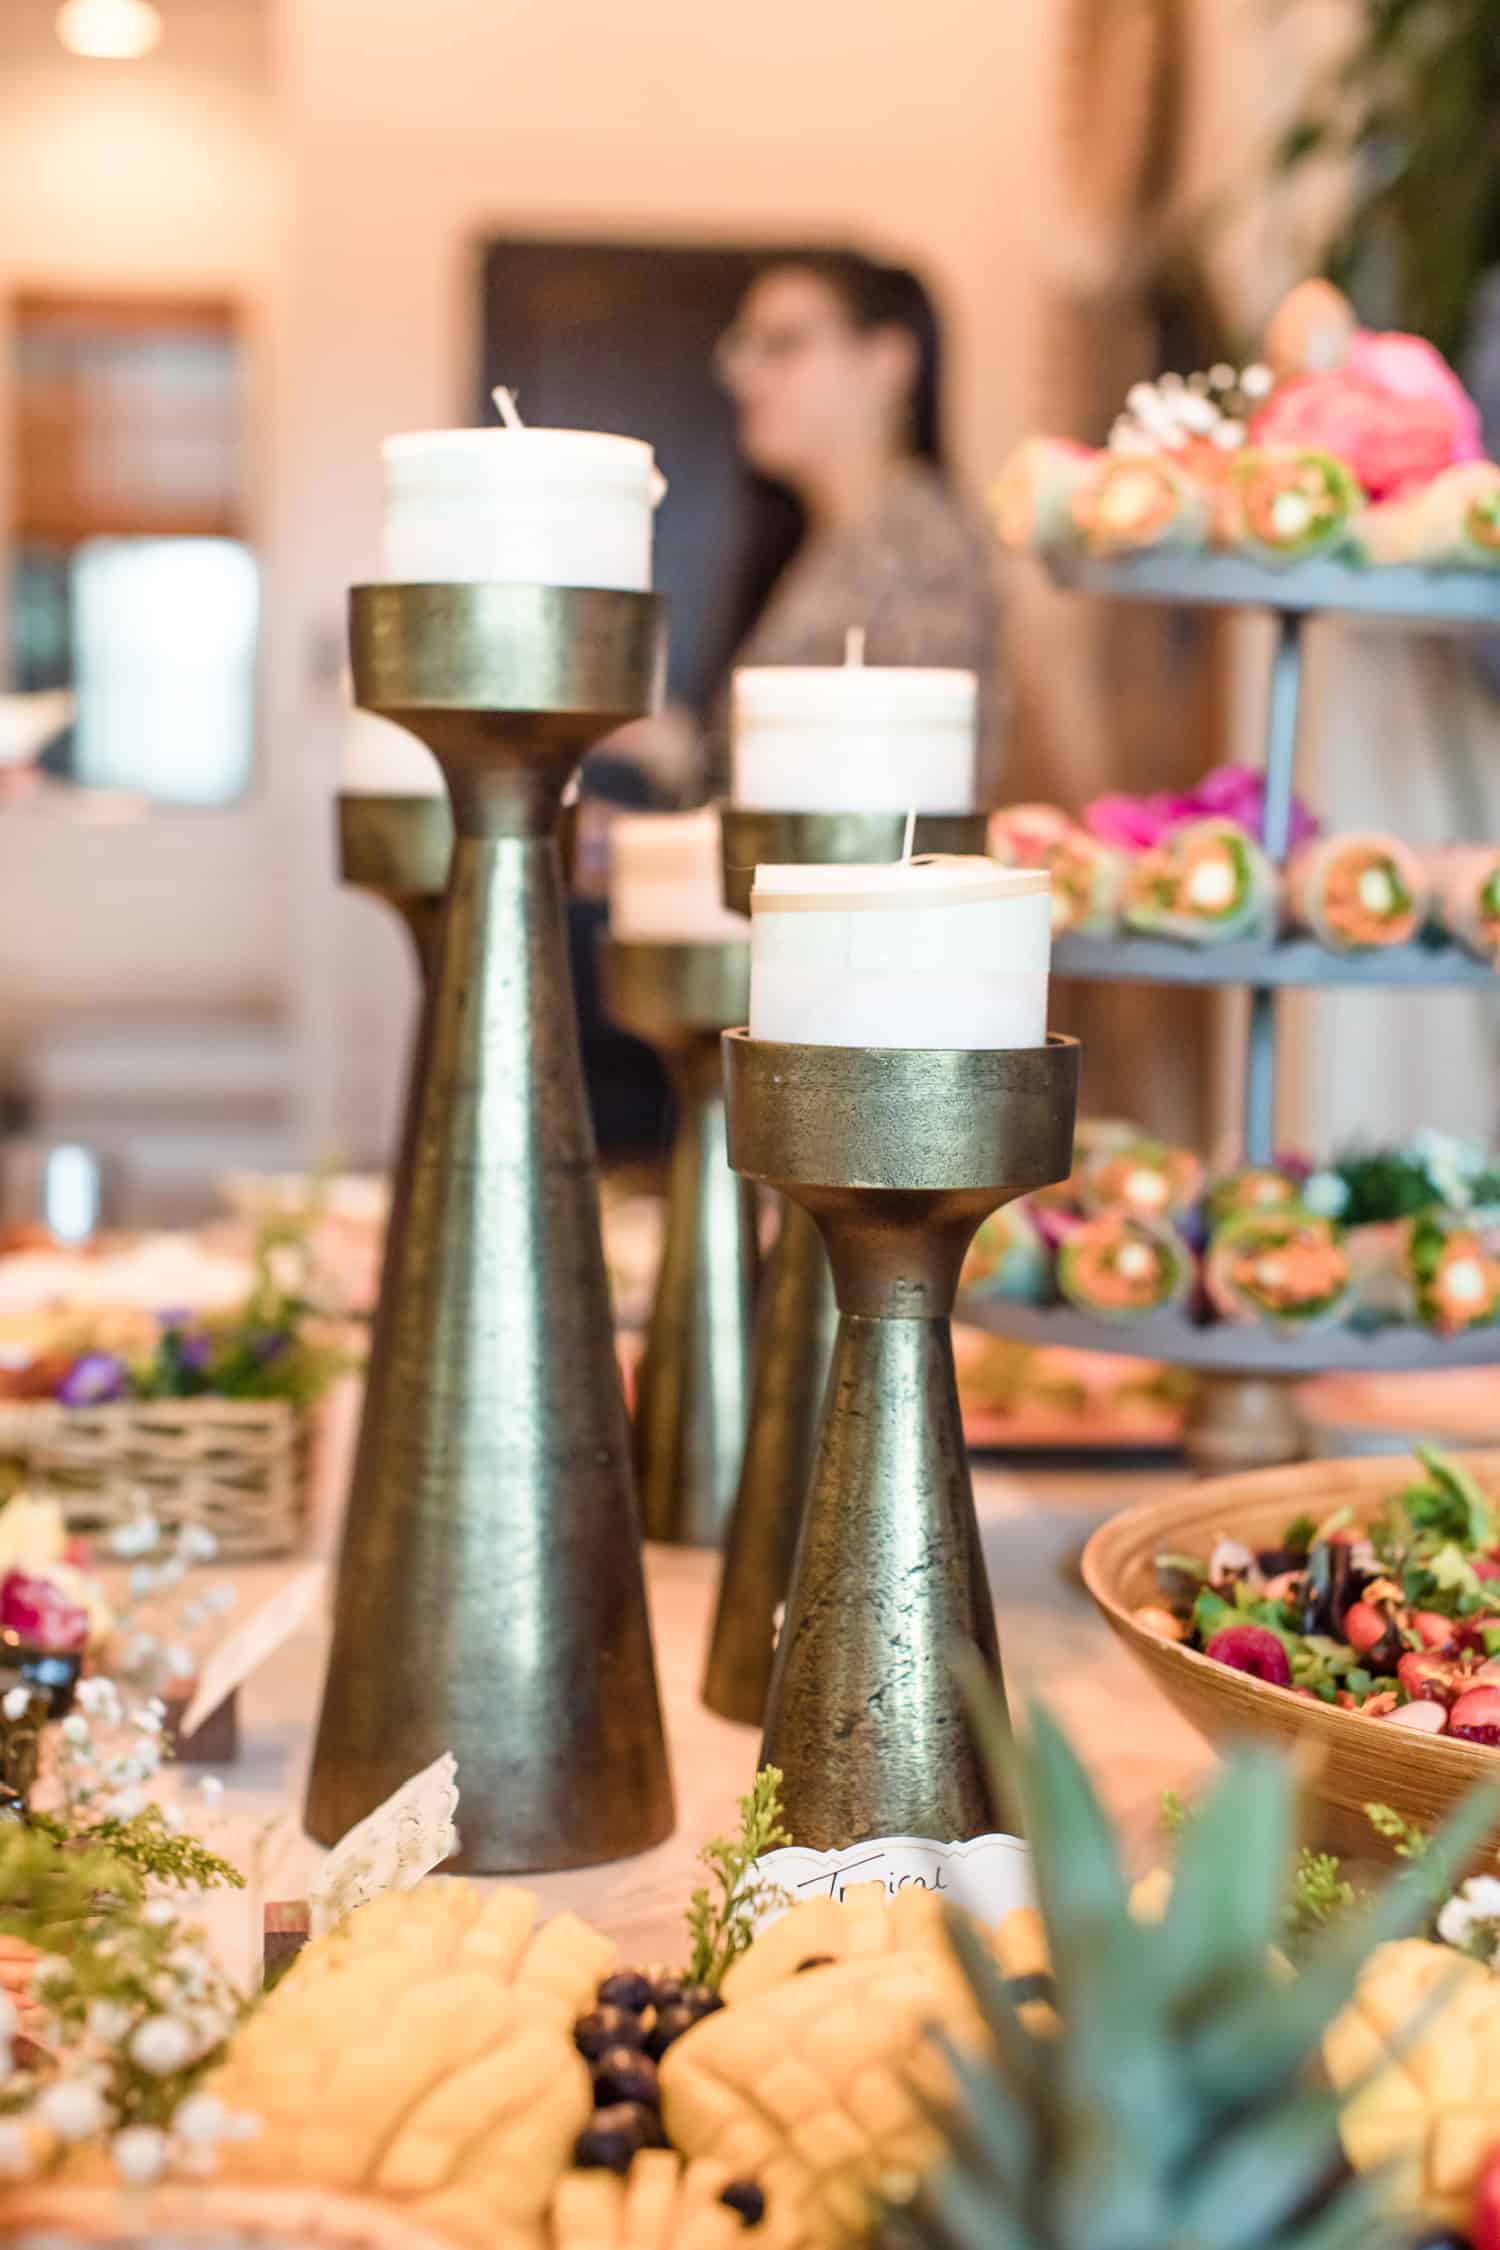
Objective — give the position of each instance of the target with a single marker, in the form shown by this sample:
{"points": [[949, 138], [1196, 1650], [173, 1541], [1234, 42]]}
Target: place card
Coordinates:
{"points": [[244, 1649], [990, 1875], [392, 1848]]}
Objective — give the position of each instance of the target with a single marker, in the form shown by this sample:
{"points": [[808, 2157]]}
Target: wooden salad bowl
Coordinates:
{"points": [[1351, 1761]]}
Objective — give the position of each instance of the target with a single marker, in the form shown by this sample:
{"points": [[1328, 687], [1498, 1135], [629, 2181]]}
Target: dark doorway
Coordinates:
{"points": [[620, 336]]}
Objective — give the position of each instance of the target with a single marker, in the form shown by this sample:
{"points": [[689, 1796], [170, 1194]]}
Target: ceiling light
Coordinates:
{"points": [[109, 30]]}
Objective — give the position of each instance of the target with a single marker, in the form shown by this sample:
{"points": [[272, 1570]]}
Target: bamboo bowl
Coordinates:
{"points": [[1350, 1761]]}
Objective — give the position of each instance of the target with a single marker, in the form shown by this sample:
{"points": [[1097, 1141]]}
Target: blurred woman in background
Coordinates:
{"points": [[835, 365]]}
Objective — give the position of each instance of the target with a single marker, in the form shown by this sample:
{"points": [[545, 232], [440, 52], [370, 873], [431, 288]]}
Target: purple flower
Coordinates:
{"points": [[194, 1352], [97, 1379], [270, 1346]]}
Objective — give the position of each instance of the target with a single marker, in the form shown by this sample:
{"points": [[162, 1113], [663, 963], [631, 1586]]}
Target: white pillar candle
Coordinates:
{"points": [[532, 507], [939, 952], [854, 738], [380, 759], [665, 886]]}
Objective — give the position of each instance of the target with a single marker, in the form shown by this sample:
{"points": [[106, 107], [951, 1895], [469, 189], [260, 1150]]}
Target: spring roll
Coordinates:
{"points": [[1032, 501], [1356, 893], [1122, 1268], [1207, 883], [1087, 879], [1008, 1258], [1253, 1188], [1392, 532], [1279, 1269], [1460, 518], [1288, 504], [1145, 1177], [1133, 501], [1465, 883], [1027, 835], [1452, 1279]]}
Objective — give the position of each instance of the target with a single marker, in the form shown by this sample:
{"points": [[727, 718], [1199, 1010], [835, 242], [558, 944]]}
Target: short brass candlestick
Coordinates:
{"points": [[797, 1316], [897, 1155], [490, 1596], [693, 1385]]}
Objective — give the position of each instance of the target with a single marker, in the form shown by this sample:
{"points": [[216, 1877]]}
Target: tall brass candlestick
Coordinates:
{"points": [[897, 1155], [693, 1385], [490, 1595], [797, 1316]]}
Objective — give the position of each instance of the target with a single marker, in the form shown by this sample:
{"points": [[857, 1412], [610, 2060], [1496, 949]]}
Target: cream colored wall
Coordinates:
{"points": [[416, 132], [158, 174]]}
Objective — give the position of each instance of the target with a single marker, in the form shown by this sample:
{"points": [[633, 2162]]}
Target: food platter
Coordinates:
{"points": [[1263, 963], [1439, 601], [1224, 1348]]}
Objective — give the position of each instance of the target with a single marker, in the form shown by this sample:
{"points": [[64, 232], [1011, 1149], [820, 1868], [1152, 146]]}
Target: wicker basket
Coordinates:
{"points": [[241, 1468]]}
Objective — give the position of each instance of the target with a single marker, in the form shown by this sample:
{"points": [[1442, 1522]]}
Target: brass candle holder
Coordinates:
{"points": [[490, 1595], [897, 1155], [797, 1317], [399, 848], [693, 1385]]}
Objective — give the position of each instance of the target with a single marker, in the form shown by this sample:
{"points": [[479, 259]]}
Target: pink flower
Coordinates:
{"points": [[1409, 367], [1397, 422], [41, 1616], [1135, 824]]}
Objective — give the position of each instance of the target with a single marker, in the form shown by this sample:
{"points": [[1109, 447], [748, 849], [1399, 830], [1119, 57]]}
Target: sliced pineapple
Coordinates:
{"points": [[813, 2087], [1432, 2110], [660, 2205], [423, 2054]]}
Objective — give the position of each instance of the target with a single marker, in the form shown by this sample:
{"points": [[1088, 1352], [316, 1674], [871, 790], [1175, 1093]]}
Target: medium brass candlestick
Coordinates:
{"points": [[797, 1316], [490, 1597], [898, 1156], [399, 848], [693, 1385]]}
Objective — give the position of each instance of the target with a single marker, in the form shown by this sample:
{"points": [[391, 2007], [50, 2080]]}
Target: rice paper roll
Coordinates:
{"points": [[1288, 504], [1087, 879], [1008, 1258], [1253, 1188], [1460, 518], [1027, 835], [1278, 1269], [1357, 893], [1391, 533], [1206, 883], [1032, 501], [1452, 1279], [1134, 501], [1466, 897], [1148, 1178], [1380, 1284], [1121, 1268]]}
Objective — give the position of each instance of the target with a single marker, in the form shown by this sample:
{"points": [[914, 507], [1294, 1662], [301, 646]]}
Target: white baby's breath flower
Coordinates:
{"points": [[127, 1804], [140, 2154], [197, 1542], [52, 1970], [201, 2119], [147, 1719], [17, 1702], [143, 1581], [109, 2022], [211, 1788], [220, 1600], [75, 1729], [193, 1615], [172, 1819], [15, 2150], [123, 1773], [99, 1698], [73, 2109], [181, 1663], [1255, 380], [160, 1913], [157, 1708], [141, 1651], [138, 1537], [1483, 1895], [162, 2045], [1455, 1924]]}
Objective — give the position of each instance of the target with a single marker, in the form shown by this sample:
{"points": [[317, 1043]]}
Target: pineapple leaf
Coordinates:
{"points": [[1026, 2061], [1255, 2180], [1073, 1845], [1234, 1866], [988, 2130], [957, 2210], [1360, 2217]]}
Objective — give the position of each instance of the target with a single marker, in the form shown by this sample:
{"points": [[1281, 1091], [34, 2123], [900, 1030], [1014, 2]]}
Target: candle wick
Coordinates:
{"points": [[505, 402], [909, 838], [854, 645]]}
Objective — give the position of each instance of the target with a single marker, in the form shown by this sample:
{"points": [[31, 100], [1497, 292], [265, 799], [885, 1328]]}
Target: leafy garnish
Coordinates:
{"points": [[149, 1848], [1299, 1535], [722, 1915], [1408, 1841], [1321, 1893]]}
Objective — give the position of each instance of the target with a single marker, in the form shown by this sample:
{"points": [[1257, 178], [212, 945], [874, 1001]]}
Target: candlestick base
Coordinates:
{"points": [[754, 839], [692, 1388], [897, 1155], [490, 1595], [795, 1326]]}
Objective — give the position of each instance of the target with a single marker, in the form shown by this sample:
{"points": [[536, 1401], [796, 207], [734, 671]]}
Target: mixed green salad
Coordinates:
{"points": [[1397, 1616]]}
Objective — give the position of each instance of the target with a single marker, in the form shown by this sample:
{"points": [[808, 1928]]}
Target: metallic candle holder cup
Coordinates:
{"points": [[693, 1386], [797, 1317], [400, 848], [490, 1596], [897, 1155]]}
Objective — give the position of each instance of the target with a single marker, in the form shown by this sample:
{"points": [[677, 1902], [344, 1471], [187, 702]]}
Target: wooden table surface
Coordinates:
{"points": [[1033, 1521]]}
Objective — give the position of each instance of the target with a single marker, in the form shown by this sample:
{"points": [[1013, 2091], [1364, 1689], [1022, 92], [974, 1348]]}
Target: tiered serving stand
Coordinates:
{"points": [[1245, 1415]]}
